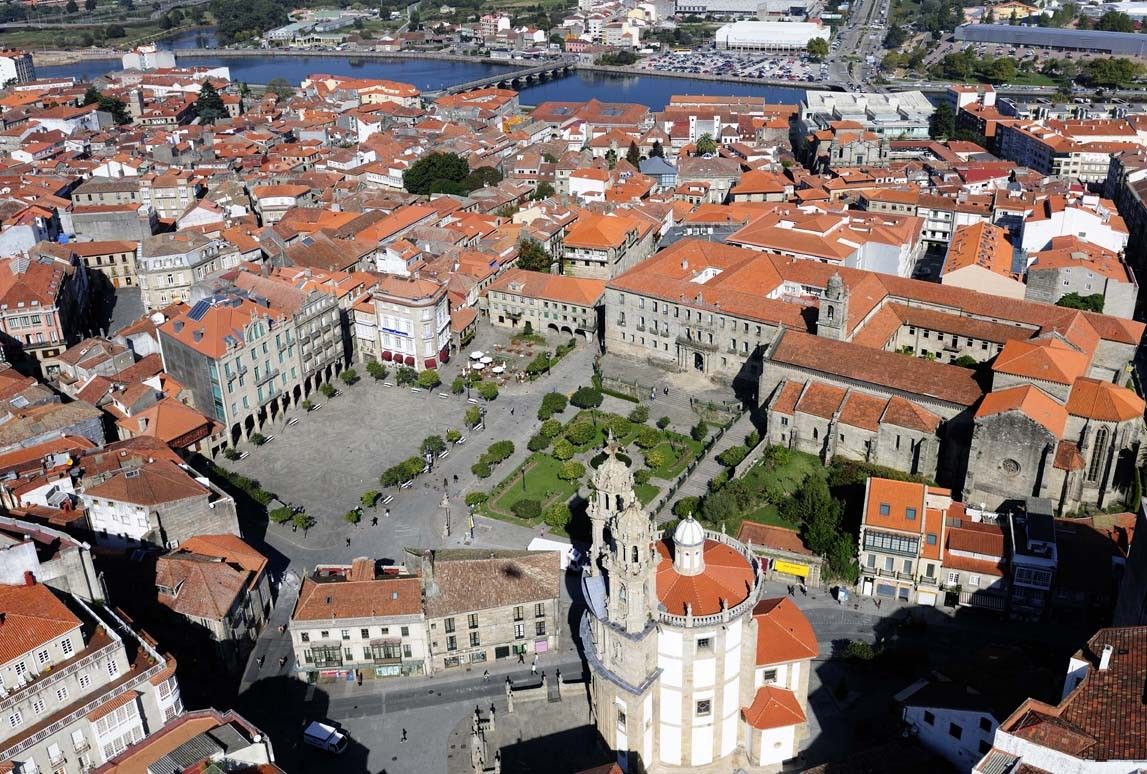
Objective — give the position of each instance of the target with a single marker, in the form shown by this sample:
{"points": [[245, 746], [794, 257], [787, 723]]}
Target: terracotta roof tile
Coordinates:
{"points": [[784, 634], [1030, 401], [382, 597], [1093, 399], [773, 707], [33, 616], [769, 536], [821, 400], [466, 580], [728, 576]]}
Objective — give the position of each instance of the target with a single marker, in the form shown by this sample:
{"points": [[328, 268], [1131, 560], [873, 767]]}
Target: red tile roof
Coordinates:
{"points": [[773, 707], [33, 616], [783, 632], [728, 576]]}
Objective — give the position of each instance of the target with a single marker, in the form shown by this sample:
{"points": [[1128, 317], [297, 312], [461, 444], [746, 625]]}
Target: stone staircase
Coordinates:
{"points": [[698, 482]]}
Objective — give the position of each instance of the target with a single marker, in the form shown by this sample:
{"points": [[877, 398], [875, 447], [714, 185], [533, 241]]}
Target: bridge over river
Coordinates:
{"points": [[512, 79]]}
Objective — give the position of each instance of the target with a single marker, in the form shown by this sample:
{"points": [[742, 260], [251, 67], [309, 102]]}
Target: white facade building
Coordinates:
{"points": [[690, 668], [770, 36], [16, 67], [148, 58]]}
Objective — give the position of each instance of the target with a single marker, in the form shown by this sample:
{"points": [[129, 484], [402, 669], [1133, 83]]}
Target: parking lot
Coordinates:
{"points": [[739, 64]]}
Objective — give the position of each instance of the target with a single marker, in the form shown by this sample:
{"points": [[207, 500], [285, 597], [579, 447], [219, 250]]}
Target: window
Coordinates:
{"points": [[324, 635], [929, 718], [15, 719], [475, 641], [519, 631], [62, 693], [540, 628], [66, 646], [451, 643], [449, 625], [931, 538], [955, 731], [985, 724], [885, 509], [704, 643], [364, 634], [404, 631], [910, 514], [769, 676], [345, 633], [42, 656], [38, 706], [953, 579], [907, 566], [620, 717], [985, 747], [974, 581], [472, 620], [519, 613], [113, 669], [704, 708], [305, 637], [539, 609]]}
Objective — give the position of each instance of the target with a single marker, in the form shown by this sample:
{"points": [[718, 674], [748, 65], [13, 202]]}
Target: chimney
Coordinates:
{"points": [[29, 578], [1105, 657], [2, 617]]}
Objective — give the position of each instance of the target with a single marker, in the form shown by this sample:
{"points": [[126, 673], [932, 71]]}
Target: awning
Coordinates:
{"points": [[410, 360], [430, 363], [387, 355]]}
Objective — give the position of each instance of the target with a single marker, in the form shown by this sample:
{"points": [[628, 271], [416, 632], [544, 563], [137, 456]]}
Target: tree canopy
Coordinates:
{"points": [[706, 145], [1092, 303], [436, 173], [238, 20], [817, 48], [117, 108], [1111, 71], [533, 257], [1114, 21], [209, 105]]}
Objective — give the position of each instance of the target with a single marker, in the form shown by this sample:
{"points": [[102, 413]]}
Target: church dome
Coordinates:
{"points": [[689, 533]]}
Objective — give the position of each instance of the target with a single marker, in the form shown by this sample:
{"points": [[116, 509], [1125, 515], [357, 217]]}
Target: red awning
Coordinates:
{"points": [[410, 360], [430, 363], [387, 355], [444, 355]]}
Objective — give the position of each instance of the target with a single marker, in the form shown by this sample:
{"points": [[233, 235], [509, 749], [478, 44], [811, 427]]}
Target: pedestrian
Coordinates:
{"points": [[374, 521], [652, 394], [791, 590], [455, 478], [387, 514], [804, 589], [348, 542], [521, 658], [511, 411], [666, 390], [404, 734], [485, 675], [878, 604], [445, 483]]}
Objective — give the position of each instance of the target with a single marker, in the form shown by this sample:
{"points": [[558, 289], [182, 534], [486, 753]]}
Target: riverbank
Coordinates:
{"points": [[639, 73], [442, 56]]}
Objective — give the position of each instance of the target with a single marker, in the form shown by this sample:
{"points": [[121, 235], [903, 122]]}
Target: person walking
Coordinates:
{"points": [[485, 675], [521, 658], [534, 666], [404, 734], [387, 514], [666, 390], [511, 411], [348, 542], [374, 521]]}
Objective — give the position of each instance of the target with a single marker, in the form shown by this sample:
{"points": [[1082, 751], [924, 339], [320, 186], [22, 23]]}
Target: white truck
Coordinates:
{"points": [[571, 558], [324, 737]]}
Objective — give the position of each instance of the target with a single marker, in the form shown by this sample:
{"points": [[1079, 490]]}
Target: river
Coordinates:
{"points": [[434, 74]]}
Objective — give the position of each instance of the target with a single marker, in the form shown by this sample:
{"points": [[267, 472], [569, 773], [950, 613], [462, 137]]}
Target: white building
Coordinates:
{"points": [[16, 67], [691, 670], [405, 320], [1087, 217], [905, 114], [770, 36], [148, 58], [950, 719]]}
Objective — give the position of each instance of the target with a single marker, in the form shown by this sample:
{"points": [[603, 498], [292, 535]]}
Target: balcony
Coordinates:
{"points": [[905, 576], [926, 581], [267, 377], [57, 760]]}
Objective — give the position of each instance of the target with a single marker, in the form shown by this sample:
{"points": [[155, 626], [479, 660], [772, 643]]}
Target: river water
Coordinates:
{"points": [[434, 74]]}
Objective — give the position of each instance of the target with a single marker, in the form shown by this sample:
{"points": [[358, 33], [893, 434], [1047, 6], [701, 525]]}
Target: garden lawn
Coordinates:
{"points": [[678, 462], [646, 493], [542, 484]]}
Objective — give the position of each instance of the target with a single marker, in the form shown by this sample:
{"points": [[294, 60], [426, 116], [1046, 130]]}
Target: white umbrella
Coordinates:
{"points": [[477, 354], [487, 360], [479, 366], [499, 369]]}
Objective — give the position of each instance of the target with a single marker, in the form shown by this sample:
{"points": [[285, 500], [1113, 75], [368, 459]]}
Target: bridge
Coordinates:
{"points": [[514, 79]]}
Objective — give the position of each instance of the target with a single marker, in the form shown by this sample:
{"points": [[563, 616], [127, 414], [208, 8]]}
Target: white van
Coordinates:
{"points": [[324, 737]]}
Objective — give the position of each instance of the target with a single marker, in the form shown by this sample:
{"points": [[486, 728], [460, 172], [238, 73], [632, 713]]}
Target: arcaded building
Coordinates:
{"points": [[691, 670]]}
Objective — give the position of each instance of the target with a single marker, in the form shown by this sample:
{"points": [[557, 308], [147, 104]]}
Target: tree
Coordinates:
{"points": [[562, 450], [453, 435], [706, 145], [71, 6], [89, 5], [114, 31], [473, 416], [942, 124], [303, 521], [280, 515], [557, 515], [657, 152], [633, 155], [369, 498], [429, 379], [533, 257], [700, 431], [376, 370], [552, 403], [1114, 21], [640, 414], [817, 49], [432, 444], [611, 158], [481, 177], [349, 376], [209, 106], [353, 516], [571, 470], [895, 38], [527, 509], [586, 398], [238, 20], [434, 170], [1111, 71], [328, 390], [1091, 303], [539, 365], [281, 88], [487, 390], [544, 191]]}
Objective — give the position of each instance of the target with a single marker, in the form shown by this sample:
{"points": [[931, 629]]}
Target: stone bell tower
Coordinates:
{"points": [[632, 569], [612, 492], [832, 322]]}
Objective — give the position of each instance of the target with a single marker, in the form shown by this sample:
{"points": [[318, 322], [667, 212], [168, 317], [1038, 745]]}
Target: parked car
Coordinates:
{"points": [[325, 737]]}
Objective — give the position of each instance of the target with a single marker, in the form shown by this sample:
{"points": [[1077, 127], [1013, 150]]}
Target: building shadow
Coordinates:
{"points": [[564, 752]]}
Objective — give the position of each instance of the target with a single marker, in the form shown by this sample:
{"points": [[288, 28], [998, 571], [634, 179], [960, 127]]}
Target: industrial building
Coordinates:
{"points": [[769, 36], [1095, 41]]}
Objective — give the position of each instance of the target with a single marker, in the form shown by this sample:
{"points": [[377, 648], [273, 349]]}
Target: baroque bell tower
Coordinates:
{"points": [[612, 492], [632, 570]]}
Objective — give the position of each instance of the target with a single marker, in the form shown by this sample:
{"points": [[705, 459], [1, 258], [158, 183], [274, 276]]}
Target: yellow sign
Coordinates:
{"points": [[791, 568]]}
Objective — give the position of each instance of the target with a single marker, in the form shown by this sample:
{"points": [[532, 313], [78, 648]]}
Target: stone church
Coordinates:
{"points": [[691, 669]]}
